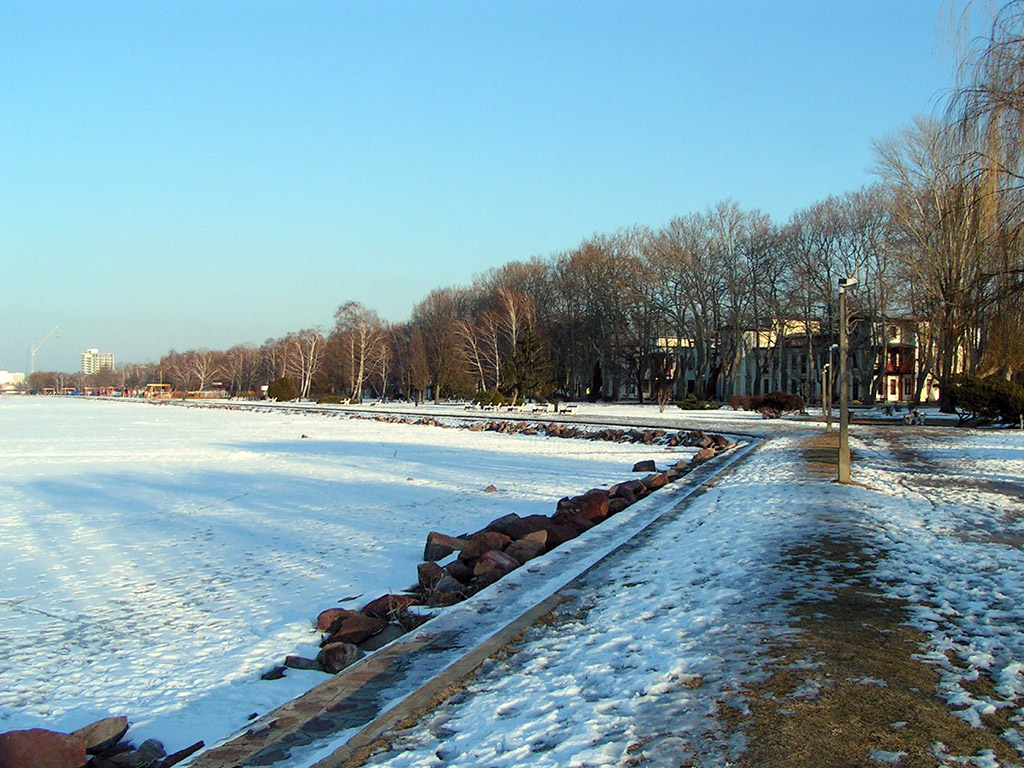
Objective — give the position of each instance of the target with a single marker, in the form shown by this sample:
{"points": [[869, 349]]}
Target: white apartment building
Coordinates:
{"points": [[93, 360]]}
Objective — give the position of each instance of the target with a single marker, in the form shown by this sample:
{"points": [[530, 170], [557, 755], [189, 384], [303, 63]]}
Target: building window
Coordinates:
{"points": [[892, 387]]}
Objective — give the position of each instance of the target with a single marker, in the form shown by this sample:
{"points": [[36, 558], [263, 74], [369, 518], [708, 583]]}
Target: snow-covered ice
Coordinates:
{"points": [[154, 560]]}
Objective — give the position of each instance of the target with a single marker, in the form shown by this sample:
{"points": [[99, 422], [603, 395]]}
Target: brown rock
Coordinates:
{"points": [[524, 549], [428, 574], [645, 466], [329, 620], [572, 520], [275, 673], [355, 629], [336, 656], [387, 607], [616, 505], [300, 662], [389, 633], [719, 441], [516, 527], [492, 565], [103, 734], [441, 599], [39, 748], [181, 754], [541, 536], [558, 534], [440, 546], [703, 455], [593, 505], [460, 571], [485, 541], [654, 482], [624, 491]]}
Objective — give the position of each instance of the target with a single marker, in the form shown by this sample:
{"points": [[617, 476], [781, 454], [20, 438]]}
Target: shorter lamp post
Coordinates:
{"points": [[844, 382], [826, 388]]}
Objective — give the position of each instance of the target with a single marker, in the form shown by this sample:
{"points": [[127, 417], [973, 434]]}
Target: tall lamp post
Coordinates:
{"points": [[844, 382]]}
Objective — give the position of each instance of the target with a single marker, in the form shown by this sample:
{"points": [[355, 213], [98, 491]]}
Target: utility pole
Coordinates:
{"points": [[844, 381]]}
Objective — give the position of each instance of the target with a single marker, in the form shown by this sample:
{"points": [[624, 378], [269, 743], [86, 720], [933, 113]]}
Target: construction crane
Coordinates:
{"points": [[33, 348]]}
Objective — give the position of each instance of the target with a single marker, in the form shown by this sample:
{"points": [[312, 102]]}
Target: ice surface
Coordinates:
{"points": [[154, 560]]}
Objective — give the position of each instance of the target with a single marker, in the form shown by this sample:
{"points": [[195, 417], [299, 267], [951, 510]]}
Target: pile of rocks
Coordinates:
{"points": [[553, 429], [98, 745], [483, 558]]}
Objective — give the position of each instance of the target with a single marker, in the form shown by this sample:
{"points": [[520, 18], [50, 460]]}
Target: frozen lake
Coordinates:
{"points": [[154, 560]]}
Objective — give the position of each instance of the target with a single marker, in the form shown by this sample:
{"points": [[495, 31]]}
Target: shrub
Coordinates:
{"points": [[489, 397], [693, 403], [975, 397], [774, 404], [332, 400], [282, 389], [740, 401]]}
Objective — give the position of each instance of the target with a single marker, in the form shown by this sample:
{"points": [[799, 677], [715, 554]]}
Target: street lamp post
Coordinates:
{"points": [[844, 382]]}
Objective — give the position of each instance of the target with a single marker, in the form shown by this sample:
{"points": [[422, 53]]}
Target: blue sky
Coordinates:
{"points": [[197, 174]]}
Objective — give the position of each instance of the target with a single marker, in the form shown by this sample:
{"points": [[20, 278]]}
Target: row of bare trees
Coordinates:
{"points": [[708, 303]]}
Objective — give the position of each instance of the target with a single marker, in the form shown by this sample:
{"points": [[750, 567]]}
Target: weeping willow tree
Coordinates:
{"points": [[987, 114]]}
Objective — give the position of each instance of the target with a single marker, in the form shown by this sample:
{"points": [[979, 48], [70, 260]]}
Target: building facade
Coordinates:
{"points": [[94, 361]]}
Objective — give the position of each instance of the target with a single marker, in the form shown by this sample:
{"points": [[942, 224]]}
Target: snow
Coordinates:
{"points": [[154, 560], [667, 636], [164, 556]]}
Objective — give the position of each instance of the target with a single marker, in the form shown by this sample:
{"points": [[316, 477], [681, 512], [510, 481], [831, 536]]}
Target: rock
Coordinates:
{"points": [[355, 629], [485, 541], [558, 534], [656, 481], [616, 505], [572, 520], [147, 755], [300, 662], [524, 549], [516, 527], [541, 536], [336, 656], [460, 571], [429, 574], [490, 489], [39, 748], [718, 441], [181, 754], [645, 466], [593, 505], [329, 620], [439, 546], [492, 565], [274, 674], [103, 734], [623, 491], [382, 638], [442, 599], [703, 455], [387, 607]]}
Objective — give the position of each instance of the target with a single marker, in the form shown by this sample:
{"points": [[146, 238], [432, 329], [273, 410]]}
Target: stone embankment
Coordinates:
{"points": [[487, 555]]}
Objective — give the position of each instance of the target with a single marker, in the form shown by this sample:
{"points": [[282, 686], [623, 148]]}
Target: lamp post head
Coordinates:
{"points": [[847, 282]]}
